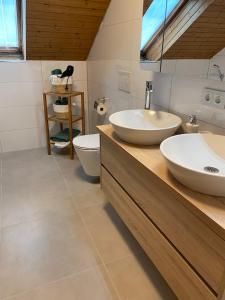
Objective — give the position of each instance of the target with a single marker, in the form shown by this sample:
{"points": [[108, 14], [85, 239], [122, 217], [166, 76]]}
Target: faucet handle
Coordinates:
{"points": [[149, 86], [192, 119]]}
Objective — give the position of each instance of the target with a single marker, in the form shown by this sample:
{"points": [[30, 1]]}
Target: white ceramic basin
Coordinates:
{"points": [[144, 127], [197, 161]]}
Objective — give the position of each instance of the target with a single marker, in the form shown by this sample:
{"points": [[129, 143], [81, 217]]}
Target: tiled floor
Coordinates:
{"points": [[61, 240]]}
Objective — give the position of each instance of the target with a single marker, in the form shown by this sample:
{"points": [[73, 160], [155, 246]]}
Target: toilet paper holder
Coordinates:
{"points": [[100, 101]]}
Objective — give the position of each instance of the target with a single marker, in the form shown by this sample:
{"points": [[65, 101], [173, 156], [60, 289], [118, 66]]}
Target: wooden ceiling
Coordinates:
{"points": [[146, 4], [204, 38], [62, 29]]}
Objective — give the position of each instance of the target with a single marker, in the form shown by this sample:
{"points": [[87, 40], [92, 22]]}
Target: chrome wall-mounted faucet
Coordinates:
{"points": [[148, 94], [220, 74]]}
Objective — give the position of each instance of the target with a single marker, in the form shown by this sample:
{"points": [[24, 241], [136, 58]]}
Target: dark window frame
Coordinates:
{"points": [[159, 32], [15, 51]]}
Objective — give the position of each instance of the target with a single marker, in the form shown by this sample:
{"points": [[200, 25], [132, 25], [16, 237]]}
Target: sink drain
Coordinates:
{"points": [[211, 169]]}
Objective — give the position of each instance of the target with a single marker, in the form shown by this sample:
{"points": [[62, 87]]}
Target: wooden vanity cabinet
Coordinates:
{"points": [[187, 249]]}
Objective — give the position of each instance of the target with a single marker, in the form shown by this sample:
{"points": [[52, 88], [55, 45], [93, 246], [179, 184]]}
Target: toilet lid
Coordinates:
{"points": [[89, 141]]}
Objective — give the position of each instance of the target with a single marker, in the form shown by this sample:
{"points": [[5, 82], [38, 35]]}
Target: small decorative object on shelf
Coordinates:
{"points": [[62, 81], [63, 114], [61, 108]]}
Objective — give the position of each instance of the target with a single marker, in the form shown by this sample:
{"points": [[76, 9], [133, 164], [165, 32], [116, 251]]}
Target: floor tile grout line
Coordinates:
{"points": [[93, 267], [92, 240], [22, 222], [89, 234], [74, 274], [50, 282]]}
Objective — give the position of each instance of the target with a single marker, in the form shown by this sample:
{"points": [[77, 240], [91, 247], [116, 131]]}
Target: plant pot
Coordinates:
{"points": [[59, 84], [61, 88], [61, 111]]}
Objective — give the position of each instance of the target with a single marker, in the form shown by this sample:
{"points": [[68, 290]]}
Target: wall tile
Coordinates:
{"points": [[21, 117], [21, 108], [22, 139], [20, 93], [187, 95], [80, 71], [24, 71], [192, 67], [162, 89]]}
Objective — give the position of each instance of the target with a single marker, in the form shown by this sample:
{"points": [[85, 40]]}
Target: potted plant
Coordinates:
{"points": [[61, 108]]}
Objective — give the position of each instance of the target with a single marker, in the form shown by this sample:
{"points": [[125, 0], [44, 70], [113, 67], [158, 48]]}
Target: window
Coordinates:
{"points": [[10, 27], [154, 18]]}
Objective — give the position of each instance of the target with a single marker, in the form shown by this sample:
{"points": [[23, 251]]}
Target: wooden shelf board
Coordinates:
{"points": [[74, 119], [69, 94]]}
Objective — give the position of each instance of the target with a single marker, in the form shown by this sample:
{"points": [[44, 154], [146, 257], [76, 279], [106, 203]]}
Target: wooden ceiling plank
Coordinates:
{"points": [[208, 31], [65, 30], [39, 8], [72, 3]]}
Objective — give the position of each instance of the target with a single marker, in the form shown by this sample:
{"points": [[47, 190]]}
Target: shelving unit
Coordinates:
{"points": [[70, 120]]}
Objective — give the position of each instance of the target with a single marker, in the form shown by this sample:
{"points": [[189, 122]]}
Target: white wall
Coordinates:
{"points": [[187, 90], [116, 47], [21, 108]]}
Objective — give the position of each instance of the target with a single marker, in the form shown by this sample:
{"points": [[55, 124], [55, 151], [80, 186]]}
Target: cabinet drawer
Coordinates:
{"points": [[180, 276], [201, 247]]}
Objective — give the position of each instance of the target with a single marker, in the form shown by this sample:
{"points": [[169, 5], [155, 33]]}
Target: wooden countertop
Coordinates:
{"points": [[210, 209]]}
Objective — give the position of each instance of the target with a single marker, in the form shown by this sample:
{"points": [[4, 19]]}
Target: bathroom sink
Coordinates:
{"points": [[144, 127], [197, 161]]}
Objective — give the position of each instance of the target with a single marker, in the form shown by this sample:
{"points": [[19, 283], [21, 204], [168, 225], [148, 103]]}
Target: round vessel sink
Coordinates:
{"points": [[197, 161], [144, 127]]}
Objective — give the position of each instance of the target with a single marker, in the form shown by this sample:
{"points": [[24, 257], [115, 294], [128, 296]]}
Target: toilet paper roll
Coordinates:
{"points": [[101, 109]]}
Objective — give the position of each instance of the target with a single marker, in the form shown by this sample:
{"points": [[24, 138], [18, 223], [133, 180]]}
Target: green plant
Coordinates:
{"points": [[62, 101]]}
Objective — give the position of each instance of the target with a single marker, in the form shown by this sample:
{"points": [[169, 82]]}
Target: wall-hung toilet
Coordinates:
{"points": [[87, 148]]}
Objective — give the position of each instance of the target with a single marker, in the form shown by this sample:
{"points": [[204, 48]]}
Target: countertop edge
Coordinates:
{"points": [[189, 198]]}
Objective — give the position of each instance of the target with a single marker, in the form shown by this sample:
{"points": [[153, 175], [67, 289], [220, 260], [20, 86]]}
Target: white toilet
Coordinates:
{"points": [[87, 148]]}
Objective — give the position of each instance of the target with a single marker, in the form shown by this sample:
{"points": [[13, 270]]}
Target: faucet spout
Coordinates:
{"points": [[148, 95]]}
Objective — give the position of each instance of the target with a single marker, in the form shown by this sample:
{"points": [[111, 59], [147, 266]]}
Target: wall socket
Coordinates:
{"points": [[214, 98]]}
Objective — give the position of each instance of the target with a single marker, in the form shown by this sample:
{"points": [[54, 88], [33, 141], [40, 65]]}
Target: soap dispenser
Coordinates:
{"points": [[191, 125]]}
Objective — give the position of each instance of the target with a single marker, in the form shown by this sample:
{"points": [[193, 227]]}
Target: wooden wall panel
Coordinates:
{"points": [[62, 30], [204, 38]]}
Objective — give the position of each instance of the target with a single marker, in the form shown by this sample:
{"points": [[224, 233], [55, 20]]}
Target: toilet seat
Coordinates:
{"points": [[87, 142]]}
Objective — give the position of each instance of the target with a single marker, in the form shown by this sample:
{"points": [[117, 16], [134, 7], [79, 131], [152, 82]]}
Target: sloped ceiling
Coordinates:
{"points": [[204, 38], [146, 5], [62, 29]]}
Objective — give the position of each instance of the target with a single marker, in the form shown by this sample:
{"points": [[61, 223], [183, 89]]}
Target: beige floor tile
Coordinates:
{"points": [[45, 252], [84, 190], [77, 182], [28, 159], [88, 197], [88, 285], [23, 178], [19, 209], [35, 253], [112, 238], [137, 279], [64, 161], [27, 200]]}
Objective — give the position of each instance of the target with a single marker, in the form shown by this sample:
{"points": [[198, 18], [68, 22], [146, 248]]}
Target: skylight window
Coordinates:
{"points": [[154, 17], [10, 31]]}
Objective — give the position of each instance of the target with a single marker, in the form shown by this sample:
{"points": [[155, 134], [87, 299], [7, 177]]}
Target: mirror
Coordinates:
{"points": [[184, 37], [154, 14]]}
